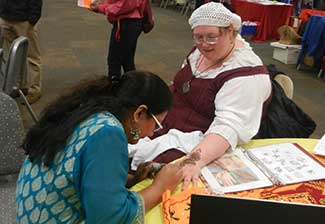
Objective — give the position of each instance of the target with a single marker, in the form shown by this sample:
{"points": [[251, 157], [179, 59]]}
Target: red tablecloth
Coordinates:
{"points": [[271, 17]]}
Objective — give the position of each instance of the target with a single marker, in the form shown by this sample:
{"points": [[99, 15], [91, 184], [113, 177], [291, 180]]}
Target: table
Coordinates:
{"points": [[155, 214], [271, 16]]}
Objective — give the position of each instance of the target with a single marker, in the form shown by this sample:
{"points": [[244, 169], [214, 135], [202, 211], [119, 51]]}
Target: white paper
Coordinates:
{"points": [[320, 147]]}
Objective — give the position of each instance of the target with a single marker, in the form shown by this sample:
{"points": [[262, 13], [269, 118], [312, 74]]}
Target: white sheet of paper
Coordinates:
{"points": [[320, 147]]}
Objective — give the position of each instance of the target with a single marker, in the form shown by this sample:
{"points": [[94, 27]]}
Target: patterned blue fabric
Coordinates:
{"points": [[86, 182]]}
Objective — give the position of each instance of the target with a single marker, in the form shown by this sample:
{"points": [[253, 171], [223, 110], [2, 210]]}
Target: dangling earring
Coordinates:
{"points": [[135, 132]]}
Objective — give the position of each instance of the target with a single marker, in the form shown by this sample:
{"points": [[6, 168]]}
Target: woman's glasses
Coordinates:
{"points": [[158, 124], [198, 39]]}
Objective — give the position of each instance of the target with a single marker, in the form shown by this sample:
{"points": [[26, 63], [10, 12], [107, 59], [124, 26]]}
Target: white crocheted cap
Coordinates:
{"points": [[214, 14]]}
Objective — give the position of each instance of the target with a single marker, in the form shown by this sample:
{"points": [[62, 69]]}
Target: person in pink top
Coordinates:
{"points": [[126, 16]]}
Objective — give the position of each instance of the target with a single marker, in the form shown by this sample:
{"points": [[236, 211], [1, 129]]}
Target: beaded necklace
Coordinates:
{"points": [[187, 85], [220, 61]]}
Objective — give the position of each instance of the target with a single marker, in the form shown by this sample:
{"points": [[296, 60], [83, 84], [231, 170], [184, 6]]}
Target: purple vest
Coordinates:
{"points": [[193, 98]]}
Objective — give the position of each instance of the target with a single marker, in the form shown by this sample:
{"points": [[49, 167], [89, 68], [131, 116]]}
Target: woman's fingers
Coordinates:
{"points": [[195, 181], [169, 176], [186, 183], [191, 175]]}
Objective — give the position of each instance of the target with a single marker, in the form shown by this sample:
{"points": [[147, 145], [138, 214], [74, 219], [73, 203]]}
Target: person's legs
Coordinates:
{"points": [[130, 31], [8, 34], [34, 65], [198, 3], [114, 60]]}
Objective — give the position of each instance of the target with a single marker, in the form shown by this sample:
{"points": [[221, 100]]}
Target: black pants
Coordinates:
{"points": [[121, 53], [198, 3]]}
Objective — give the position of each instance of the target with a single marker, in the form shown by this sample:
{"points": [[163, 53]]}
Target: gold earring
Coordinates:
{"points": [[135, 132]]}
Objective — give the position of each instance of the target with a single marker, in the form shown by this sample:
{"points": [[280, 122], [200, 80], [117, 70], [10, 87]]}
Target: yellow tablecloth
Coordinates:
{"points": [[155, 215]]}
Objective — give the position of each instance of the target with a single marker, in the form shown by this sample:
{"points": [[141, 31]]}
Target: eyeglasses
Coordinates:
{"points": [[198, 39], [158, 124]]}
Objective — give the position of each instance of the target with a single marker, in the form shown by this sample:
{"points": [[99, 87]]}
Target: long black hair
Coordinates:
{"points": [[58, 121]]}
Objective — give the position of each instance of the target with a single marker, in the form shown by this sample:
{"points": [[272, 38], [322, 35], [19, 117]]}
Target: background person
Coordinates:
{"points": [[19, 18], [77, 158], [127, 19]]}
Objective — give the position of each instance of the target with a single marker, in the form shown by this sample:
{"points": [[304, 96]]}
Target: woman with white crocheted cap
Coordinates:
{"points": [[223, 90]]}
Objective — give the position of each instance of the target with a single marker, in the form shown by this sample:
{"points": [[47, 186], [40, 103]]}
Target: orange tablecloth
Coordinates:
{"points": [[271, 17]]}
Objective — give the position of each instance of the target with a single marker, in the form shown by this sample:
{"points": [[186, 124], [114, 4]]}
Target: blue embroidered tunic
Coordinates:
{"points": [[86, 182]]}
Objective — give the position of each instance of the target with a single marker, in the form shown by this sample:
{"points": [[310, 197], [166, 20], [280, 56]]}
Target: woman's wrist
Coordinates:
{"points": [[201, 163], [158, 187], [152, 195]]}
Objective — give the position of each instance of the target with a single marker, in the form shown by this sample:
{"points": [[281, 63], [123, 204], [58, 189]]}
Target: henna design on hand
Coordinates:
{"points": [[192, 158]]}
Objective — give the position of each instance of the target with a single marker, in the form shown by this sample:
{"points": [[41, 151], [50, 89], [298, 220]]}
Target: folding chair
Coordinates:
{"points": [[322, 68], [11, 156], [15, 71], [186, 3], [286, 84], [1, 72], [1, 58], [1, 37], [164, 3], [189, 6]]}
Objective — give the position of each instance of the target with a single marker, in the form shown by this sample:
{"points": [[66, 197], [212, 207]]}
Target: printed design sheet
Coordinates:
{"points": [[288, 163]]}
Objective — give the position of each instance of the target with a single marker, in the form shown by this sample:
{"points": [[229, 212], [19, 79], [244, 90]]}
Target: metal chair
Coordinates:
{"points": [[1, 58], [15, 72], [189, 6], [322, 69], [164, 3], [1, 72], [1, 37], [11, 136]]}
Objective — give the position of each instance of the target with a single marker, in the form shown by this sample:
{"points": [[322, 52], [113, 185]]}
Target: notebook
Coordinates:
{"points": [[217, 209], [278, 164]]}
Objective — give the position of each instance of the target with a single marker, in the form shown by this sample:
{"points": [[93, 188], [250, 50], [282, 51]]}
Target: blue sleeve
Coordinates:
{"points": [[104, 167]]}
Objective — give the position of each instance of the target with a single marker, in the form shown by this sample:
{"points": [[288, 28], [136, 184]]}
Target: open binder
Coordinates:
{"points": [[278, 164]]}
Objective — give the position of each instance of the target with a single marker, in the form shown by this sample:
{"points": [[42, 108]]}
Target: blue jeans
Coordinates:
{"points": [[121, 53]]}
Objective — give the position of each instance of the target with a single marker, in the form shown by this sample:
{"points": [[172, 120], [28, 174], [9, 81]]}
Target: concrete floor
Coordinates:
{"points": [[74, 47]]}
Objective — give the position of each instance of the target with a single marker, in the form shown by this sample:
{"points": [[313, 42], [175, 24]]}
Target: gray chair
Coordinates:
{"points": [[165, 3], [2, 76], [1, 37], [15, 72], [188, 7], [11, 157], [1, 58]]}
